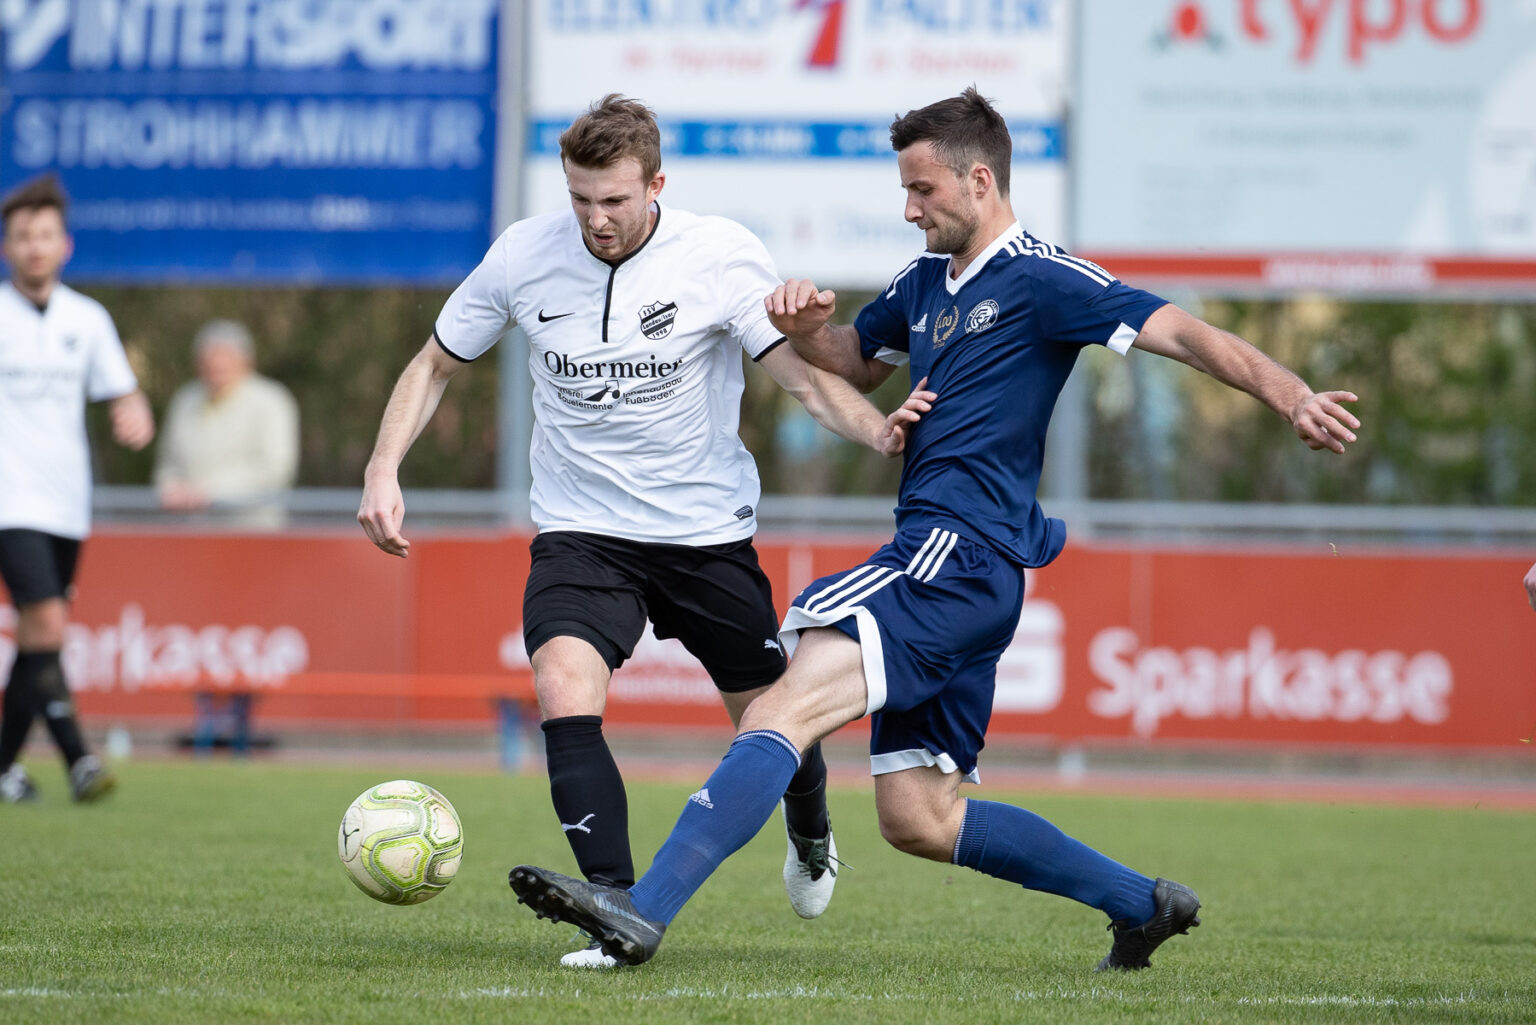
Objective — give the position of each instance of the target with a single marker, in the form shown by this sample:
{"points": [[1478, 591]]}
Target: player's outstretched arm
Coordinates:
{"points": [[133, 422], [1319, 418], [1530, 585], [410, 407], [802, 313], [838, 406]]}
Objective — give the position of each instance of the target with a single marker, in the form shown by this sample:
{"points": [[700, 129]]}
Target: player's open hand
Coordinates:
{"points": [[1322, 423], [381, 513], [798, 308], [898, 426]]}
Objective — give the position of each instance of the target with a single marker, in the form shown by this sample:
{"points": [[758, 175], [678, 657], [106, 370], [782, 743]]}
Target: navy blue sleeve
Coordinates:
{"points": [[1079, 303], [882, 324]]}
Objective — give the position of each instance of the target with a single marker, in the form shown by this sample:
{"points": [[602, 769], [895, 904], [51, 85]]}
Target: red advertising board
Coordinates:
{"points": [[1142, 644]]}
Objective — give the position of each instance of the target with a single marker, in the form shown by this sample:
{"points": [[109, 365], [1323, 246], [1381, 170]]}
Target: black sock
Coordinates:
{"points": [[58, 708], [18, 709], [589, 798], [805, 799]]}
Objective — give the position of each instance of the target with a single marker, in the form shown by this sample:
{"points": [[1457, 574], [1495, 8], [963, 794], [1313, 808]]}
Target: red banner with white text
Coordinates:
{"points": [[1144, 644]]}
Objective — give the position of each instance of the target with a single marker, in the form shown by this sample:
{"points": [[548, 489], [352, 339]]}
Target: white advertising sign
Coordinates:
{"points": [[1351, 145], [776, 113]]}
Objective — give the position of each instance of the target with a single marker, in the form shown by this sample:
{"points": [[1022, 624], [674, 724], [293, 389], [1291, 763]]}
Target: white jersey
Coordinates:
{"points": [[51, 362], [637, 371]]}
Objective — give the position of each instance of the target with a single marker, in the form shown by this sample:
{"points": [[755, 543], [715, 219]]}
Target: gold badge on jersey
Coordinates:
{"points": [[944, 325]]}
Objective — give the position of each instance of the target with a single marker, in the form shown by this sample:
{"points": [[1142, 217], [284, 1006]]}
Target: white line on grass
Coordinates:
{"points": [[1094, 993]]}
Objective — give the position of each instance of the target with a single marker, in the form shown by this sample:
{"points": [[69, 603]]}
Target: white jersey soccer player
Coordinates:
{"points": [[636, 368], [52, 361], [645, 498], [58, 349]]}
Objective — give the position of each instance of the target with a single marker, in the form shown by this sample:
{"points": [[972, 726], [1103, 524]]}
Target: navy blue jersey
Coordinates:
{"points": [[996, 346]]}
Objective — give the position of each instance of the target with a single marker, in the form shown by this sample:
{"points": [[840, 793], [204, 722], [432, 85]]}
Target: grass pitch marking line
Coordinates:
{"points": [[1094, 993]]}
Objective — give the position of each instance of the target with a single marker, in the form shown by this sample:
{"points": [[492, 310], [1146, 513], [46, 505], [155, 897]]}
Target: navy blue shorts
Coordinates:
{"points": [[37, 566], [933, 612]]}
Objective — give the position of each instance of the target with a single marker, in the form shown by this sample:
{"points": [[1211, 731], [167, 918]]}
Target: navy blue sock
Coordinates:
{"points": [[717, 821], [1021, 847]]}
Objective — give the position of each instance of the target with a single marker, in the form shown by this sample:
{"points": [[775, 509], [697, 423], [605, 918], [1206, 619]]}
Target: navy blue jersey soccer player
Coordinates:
{"points": [[991, 321]]}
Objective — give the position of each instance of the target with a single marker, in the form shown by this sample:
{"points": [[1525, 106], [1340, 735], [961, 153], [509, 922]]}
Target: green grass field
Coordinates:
{"points": [[210, 892]]}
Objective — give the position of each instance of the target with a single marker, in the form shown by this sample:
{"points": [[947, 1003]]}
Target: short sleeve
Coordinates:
{"points": [[882, 323], [747, 276], [480, 310], [109, 376], [1082, 304]]}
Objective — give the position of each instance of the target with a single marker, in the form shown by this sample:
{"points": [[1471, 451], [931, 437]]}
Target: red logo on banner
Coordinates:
{"points": [[1187, 24], [823, 53]]}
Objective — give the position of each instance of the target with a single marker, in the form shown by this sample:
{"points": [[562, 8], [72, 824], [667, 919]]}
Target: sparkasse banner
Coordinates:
{"points": [[1133, 644], [243, 141], [1345, 145], [776, 113]]}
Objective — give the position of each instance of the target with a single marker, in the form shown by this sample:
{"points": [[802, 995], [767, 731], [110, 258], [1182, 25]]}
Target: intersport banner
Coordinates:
{"points": [[275, 142], [1141, 644]]}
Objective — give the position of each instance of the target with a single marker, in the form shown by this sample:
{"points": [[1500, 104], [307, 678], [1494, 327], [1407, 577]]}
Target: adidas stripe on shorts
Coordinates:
{"points": [[933, 612]]}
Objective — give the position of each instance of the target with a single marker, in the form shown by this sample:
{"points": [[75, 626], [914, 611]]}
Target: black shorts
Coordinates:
{"points": [[37, 566], [715, 599]]}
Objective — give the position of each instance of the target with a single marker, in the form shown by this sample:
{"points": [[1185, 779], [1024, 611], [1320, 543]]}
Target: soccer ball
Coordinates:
{"points": [[401, 842]]}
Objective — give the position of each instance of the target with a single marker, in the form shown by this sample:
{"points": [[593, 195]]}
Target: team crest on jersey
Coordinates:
{"points": [[982, 316], [944, 325], [656, 320]]}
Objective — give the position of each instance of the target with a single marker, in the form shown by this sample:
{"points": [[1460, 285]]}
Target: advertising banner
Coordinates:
{"points": [[776, 113], [1140, 645], [1383, 146], [203, 141]]}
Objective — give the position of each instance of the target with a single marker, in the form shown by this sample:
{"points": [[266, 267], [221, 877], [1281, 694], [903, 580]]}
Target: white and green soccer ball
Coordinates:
{"points": [[401, 842]]}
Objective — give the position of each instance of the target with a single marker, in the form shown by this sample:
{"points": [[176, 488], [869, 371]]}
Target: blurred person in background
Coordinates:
{"points": [[229, 447], [1530, 585], [58, 350], [644, 496], [991, 320]]}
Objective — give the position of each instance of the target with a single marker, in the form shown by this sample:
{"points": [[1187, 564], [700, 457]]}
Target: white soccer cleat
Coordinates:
{"points": [[16, 786], [590, 956], [810, 872]]}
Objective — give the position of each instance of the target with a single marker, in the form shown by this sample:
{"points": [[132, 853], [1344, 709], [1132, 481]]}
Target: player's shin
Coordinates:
{"points": [[589, 798], [719, 819], [53, 699], [805, 799], [1011, 843]]}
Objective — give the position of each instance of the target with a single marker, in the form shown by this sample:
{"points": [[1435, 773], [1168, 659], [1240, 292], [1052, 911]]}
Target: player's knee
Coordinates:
{"points": [[40, 625], [911, 831]]}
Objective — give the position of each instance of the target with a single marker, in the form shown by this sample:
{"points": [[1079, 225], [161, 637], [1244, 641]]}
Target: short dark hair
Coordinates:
{"points": [[38, 193], [964, 130], [613, 128]]}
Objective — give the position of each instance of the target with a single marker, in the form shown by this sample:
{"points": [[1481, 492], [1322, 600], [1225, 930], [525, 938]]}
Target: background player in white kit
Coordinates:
{"points": [[57, 349], [643, 494]]}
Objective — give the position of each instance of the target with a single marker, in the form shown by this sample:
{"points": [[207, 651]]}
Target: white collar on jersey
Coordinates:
{"points": [[1010, 233]]}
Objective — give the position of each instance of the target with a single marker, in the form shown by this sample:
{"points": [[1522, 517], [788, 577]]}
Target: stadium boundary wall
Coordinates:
{"points": [[1142, 644]]}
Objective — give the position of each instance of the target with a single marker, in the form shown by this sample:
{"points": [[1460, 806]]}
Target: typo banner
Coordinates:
{"points": [[1143, 644]]}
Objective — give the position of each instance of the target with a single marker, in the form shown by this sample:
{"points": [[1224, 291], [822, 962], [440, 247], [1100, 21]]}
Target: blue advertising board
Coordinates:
{"points": [[258, 141]]}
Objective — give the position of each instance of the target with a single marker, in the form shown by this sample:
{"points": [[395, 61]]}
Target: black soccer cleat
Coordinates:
{"points": [[1176, 913], [603, 912]]}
